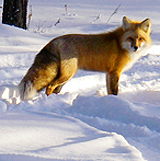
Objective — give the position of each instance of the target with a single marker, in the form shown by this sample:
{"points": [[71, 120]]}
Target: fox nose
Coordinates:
{"points": [[135, 48]]}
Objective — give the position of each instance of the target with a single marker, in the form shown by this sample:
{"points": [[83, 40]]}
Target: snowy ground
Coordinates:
{"points": [[82, 122]]}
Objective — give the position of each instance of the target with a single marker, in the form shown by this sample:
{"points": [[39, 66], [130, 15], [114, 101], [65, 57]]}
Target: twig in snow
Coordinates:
{"points": [[39, 27], [66, 8], [115, 11], [97, 18], [29, 17], [58, 21]]}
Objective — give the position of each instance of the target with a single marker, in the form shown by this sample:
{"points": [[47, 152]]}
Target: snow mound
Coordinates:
{"points": [[52, 136]]}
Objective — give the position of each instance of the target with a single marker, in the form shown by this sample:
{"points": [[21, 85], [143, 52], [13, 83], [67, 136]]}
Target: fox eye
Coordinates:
{"points": [[130, 39], [141, 39]]}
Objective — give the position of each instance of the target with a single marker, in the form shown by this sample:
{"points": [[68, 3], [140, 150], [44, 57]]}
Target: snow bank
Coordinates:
{"points": [[52, 136]]}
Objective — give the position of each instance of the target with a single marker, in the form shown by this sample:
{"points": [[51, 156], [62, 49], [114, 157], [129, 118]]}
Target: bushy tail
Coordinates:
{"points": [[42, 72], [37, 78], [26, 90]]}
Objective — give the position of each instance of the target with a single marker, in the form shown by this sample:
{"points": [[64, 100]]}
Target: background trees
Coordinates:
{"points": [[15, 13]]}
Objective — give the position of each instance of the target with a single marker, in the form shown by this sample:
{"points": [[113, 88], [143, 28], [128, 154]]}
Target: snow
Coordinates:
{"points": [[82, 122]]}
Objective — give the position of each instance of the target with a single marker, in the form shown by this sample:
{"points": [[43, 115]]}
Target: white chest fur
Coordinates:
{"points": [[134, 56]]}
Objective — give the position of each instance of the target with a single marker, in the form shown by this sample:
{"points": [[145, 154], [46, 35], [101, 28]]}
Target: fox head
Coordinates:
{"points": [[136, 34]]}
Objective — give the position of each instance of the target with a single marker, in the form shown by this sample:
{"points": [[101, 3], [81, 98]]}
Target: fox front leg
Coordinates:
{"points": [[112, 79]]}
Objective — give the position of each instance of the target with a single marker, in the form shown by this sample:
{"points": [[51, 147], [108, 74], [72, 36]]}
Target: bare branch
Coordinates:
{"points": [[29, 17], [66, 8], [58, 21], [115, 11]]}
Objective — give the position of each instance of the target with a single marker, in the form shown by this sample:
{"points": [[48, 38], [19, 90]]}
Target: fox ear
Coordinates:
{"points": [[126, 23], [145, 25]]}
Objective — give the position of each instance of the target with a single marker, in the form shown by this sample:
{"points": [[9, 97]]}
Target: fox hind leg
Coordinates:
{"points": [[50, 89], [53, 89], [67, 69], [56, 85], [58, 89]]}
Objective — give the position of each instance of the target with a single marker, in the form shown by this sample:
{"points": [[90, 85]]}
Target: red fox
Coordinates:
{"points": [[111, 52]]}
